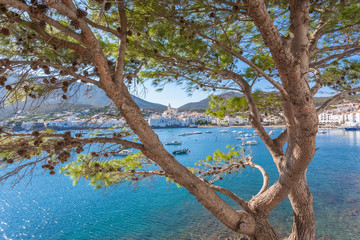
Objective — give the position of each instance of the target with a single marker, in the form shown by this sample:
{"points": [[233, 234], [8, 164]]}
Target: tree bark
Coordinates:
{"points": [[302, 204], [264, 230]]}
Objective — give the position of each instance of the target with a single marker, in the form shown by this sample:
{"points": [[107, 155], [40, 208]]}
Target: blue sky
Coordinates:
{"points": [[172, 94], [177, 97]]}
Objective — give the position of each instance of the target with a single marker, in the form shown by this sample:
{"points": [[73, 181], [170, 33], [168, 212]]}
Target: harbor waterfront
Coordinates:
{"points": [[51, 208]]}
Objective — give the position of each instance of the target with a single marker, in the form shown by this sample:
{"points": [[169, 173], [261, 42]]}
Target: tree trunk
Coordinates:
{"points": [[264, 230], [302, 203]]}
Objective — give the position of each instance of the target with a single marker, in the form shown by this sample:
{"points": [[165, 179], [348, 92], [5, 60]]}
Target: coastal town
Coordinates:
{"points": [[345, 114]]}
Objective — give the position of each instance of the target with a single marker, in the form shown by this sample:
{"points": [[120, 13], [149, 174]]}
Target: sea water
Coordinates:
{"points": [[51, 208]]}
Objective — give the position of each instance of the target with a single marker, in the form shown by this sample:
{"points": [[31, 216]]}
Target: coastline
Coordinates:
{"points": [[242, 126]]}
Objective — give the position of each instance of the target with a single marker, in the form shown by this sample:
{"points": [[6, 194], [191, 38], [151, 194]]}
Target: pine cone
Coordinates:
{"points": [[80, 13], [5, 31], [42, 8], [4, 61], [75, 24], [3, 79], [107, 6]]}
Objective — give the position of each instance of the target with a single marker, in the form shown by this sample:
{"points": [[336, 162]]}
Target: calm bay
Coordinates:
{"points": [[50, 207]]}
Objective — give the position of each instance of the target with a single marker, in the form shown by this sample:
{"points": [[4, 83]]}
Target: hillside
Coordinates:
{"points": [[353, 98], [203, 104], [83, 97]]}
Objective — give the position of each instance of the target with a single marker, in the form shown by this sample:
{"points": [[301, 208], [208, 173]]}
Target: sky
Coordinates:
{"points": [[172, 94], [177, 97]]}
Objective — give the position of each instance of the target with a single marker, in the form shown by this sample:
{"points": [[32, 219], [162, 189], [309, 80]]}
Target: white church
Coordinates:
{"points": [[167, 119], [170, 112]]}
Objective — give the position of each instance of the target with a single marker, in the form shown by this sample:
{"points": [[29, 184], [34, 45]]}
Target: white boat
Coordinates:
{"points": [[248, 135], [271, 133], [223, 131], [249, 142], [197, 132], [234, 131], [185, 134], [240, 132], [322, 131], [173, 143], [124, 152], [208, 132], [239, 138]]}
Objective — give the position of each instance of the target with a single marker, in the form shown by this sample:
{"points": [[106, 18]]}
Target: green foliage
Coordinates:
{"points": [[342, 76], [101, 174], [233, 155], [265, 102], [221, 107], [264, 62], [221, 163]]}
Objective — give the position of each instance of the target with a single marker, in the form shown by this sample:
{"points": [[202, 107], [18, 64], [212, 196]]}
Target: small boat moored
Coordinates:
{"points": [[355, 128], [173, 143], [249, 142], [124, 152], [181, 151]]}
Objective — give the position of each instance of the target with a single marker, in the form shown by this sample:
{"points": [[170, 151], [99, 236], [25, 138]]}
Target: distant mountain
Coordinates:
{"points": [[82, 97], [156, 107], [201, 105], [353, 98], [204, 104], [96, 97]]}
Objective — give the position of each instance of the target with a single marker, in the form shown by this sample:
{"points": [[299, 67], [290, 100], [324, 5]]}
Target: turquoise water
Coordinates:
{"points": [[51, 208]]}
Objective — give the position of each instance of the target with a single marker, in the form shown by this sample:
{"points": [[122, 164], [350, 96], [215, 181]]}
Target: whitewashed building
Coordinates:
{"points": [[331, 118], [167, 122], [352, 118]]}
